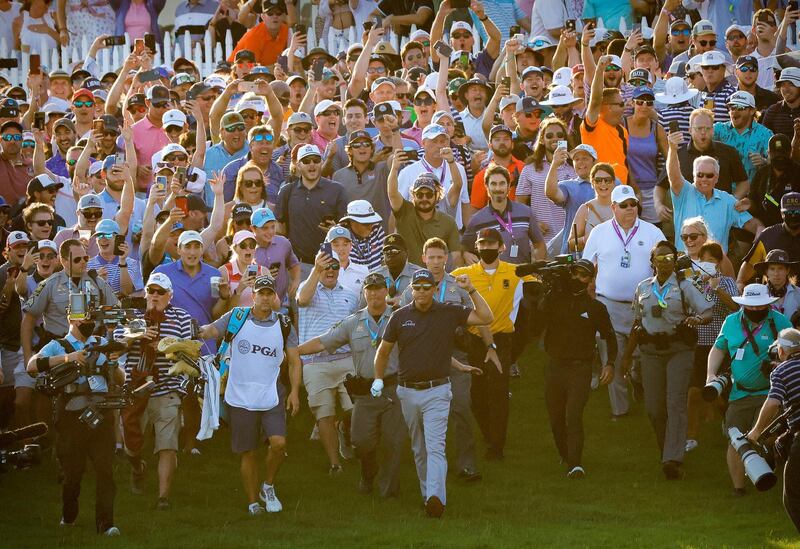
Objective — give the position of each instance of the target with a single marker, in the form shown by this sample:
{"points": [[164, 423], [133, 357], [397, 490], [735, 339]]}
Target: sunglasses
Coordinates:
{"points": [[303, 129], [425, 287], [361, 145], [644, 102], [748, 68], [627, 204], [47, 257], [247, 246], [690, 237], [705, 175], [80, 259], [72, 161], [181, 80], [28, 144], [12, 137], [311, 160], [406, 96], [43, 222], [681, 32], [612, 68], [705, 43], [177, 158], [105, 236], [263, 137], [603, 179], [376, 70], [664, 257], [252, 183], [461, 35], [80, 104], [738, 107], [334, 267], [235, 128], [559, 135], [249, 116], [427, 101], [92, 215], [161, 104], [426, 43], [159, 291], [332, 112], [532, 115]]}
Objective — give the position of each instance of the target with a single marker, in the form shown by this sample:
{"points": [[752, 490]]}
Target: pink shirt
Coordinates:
{"points": [[148, 140], [318, 140], [137, 21]]}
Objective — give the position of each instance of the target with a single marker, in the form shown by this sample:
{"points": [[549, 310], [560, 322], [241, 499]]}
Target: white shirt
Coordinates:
{"points": [[352, 278], [6, 30], [65, 205], [766, 74], [606, 249], [473, 127], [408, 175], [256, 356]]}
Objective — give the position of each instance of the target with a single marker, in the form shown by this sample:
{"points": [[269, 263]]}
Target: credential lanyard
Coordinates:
{"points": [[429, 169], [662, 297], [374, 335], [625, 241]]}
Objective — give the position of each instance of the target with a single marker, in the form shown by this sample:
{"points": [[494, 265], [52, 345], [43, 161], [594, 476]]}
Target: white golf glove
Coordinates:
{"points": [[377, 387]]}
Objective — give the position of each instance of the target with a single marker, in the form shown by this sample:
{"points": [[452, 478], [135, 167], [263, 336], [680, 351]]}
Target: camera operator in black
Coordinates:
{"points": [[77, 440], [784, 392], [568, 374], [666, 309]]}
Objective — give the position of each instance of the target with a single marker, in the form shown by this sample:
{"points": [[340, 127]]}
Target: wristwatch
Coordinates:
{"points": [[491, 346]]}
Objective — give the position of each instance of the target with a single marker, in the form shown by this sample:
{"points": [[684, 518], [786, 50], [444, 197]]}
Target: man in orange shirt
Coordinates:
{"points": [[270, 37], [602, 127], [501, 144]]}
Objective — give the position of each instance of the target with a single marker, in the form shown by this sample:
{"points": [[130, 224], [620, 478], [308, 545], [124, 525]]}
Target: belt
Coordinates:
{"points": [[421, 385]]}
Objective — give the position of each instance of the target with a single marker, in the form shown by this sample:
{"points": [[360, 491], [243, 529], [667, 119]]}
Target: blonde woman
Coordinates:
{"points": [[598, 209], [241, 271], [694, 233]]}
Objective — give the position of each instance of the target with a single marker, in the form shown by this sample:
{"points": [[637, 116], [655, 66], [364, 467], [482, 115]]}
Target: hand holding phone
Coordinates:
{"points": [[319, 66], [35, 64], [182, 202], [119, 240], [443, 49]]}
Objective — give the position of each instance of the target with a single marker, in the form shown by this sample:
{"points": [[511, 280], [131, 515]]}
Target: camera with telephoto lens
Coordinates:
{"points": [[554, 274], [28, 456], [755, 466], [716, 387]]}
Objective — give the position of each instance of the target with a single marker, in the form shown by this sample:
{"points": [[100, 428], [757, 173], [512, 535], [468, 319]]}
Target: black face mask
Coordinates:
{"points": [[756, 315], [86, 329], [489, 256], [781, 163], [577, 286], [792, 221]]}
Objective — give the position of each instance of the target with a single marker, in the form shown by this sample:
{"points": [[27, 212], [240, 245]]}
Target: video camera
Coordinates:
{"points": [[29, 455], [552, 273]]}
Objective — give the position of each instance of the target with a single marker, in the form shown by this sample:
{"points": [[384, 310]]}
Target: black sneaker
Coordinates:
{"points": [[163, 504], [470, 475]]}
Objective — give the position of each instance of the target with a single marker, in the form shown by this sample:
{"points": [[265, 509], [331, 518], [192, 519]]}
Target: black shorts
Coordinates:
{"points": [[249, 427]]}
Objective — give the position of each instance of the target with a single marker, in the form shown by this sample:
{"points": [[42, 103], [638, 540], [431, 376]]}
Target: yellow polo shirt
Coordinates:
{"points": [[502, 291]]}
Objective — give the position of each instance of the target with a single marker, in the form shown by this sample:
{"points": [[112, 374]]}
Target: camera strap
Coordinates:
{"points": [[750, 336]]}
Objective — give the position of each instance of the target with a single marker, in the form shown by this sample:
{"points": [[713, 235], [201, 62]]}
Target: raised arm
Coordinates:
{"points": [[358, 81], [218, 109], [395, 198], [596, 99], [551, 189], [673, 164]]}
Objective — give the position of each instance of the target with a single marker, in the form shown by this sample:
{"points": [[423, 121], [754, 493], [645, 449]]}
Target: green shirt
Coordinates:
{"points": [[746, 369], [416, 231]]}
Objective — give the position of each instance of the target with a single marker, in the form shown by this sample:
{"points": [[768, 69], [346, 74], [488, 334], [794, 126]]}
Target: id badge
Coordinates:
{"points": [[514, 251], [97, 384], [625, 260], [656, 311], [739, 354]]}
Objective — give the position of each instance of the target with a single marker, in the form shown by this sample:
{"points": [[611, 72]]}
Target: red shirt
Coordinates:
{"points": [[479, 198], [259, 41]]}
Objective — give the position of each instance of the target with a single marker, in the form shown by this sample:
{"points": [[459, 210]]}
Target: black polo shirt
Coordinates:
{"points": [[730, 165], [523, 146], [775, 237], [425, 339], [765, 98], [302, 209], [766, 190], [780, 118]]}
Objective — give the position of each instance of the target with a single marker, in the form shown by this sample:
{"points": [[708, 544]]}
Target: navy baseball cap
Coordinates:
{"points": [[422, 275], [790, 201], [264, 282], [747, 60], [375, 280], [643, 91]]}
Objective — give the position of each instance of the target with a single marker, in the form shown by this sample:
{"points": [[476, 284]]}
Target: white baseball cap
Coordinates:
{"points": [[241, 236], [189, 236], [508, 100], [160, 279], [432, 131], [460, 25], [252, 104], [170, 148], [173, 117], [562, 76], [621, 193], [712, 59], [419, 36], [15, 237], [95, 167], [308, 150], [47, 244], [583, 147], [323, 106], [743, 99]]}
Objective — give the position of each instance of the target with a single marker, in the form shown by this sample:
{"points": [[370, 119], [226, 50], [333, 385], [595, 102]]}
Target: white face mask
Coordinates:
{"points": [[706, 267]]}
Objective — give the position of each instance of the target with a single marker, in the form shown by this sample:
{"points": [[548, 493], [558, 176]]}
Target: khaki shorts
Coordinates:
{"points": [[164, 413], [323, 382]]}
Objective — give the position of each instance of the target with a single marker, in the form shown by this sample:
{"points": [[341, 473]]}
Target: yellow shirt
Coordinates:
{"points": [[502, 291]]}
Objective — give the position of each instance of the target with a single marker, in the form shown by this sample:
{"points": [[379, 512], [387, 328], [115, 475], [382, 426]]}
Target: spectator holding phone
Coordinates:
{"points": [[270, 36], [149, 135], [241, 271], [121, 272]]}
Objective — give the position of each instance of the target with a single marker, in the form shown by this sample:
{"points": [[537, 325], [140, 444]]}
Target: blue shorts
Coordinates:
{"points": [[248, 426]]}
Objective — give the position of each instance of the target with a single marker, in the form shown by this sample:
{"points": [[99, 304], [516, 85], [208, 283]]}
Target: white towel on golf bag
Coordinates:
{"points": [[209, 419]]}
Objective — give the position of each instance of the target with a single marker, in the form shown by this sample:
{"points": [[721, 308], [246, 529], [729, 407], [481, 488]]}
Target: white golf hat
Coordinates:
{"points": [[791, 75], [308, 150], [583, 147], [621, 193], [361, 211], [173, 117], [676, 91], [432, 131], [323, 106], [562, 76], [160, 279], [189, 236], [560, 95], [755, 295], [742, 99], [460, 25], [712, 59]]}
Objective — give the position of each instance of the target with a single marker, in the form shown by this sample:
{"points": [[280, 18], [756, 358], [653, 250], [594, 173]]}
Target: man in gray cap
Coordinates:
{"points": [[374, 420]]}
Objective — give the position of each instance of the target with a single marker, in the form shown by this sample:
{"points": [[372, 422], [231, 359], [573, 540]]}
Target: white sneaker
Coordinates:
{"points": [[269, 498], [66, 523], [255, 509], [112, 532], [691, 444], [314, 433]]}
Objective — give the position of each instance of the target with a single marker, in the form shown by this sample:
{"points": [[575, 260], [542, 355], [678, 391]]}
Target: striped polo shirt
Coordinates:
{"points": [[524, 230], [327, 307], [720, 97], [785, 386], [112, 270], [369, 251], [178, 323]]}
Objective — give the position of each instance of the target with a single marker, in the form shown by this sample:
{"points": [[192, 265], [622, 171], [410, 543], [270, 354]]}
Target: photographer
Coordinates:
{"points": [[568, 374], [374, 420], [746, 336], [665, 330], [784, 392], [77, 438], [163, 404]]}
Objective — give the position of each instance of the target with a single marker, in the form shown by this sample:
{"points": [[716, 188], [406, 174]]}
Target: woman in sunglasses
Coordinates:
{"points": [[598, 209], [241, 271], [250, 187], [694, 234], [646, 141], [667, 310]]}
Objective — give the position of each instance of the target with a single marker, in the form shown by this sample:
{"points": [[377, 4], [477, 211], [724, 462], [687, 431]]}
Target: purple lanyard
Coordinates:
{"points": [[624, 241], [507, 225], [429, 169]]}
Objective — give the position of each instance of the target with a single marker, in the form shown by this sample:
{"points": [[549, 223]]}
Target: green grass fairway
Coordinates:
{"points": [[524, 501]]}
